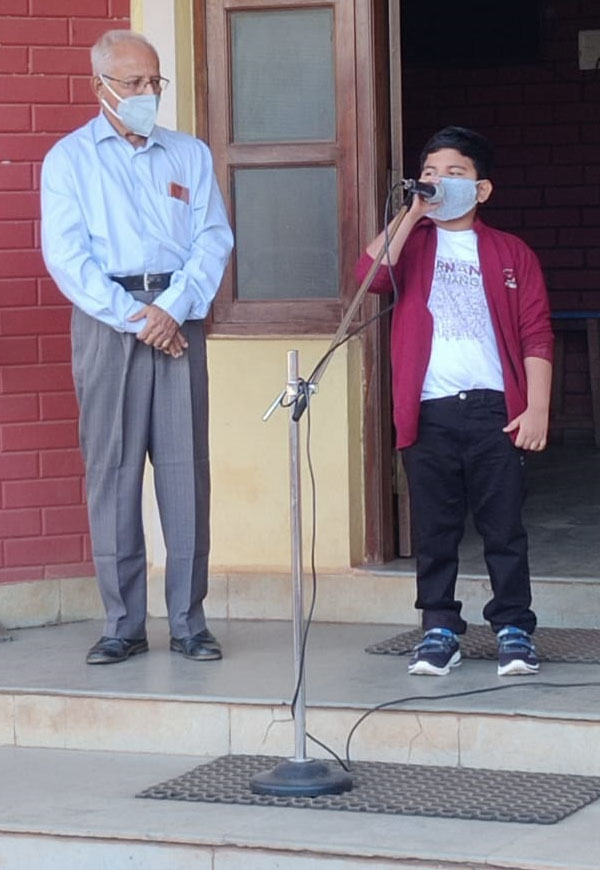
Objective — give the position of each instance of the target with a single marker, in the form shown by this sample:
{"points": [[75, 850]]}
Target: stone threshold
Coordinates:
{"points": [[374, 594]]}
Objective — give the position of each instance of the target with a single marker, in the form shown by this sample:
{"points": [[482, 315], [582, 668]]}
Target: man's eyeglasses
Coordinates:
{"points": [[140, 83]]}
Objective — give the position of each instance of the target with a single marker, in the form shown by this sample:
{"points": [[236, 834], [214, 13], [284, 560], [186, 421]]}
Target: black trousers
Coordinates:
{"points": [[462, 459]]}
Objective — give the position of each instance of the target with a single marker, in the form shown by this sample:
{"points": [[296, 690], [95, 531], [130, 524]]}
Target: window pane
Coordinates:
{"points": [[283, 75], [286, 232]]}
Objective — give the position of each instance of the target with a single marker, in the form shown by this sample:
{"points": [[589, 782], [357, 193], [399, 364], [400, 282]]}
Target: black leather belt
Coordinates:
{"points": [[147, 281]]}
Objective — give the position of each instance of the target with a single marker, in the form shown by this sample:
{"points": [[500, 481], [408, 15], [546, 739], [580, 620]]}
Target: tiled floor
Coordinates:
{"points": [[61, 809], [78, 806], [257, 668]]}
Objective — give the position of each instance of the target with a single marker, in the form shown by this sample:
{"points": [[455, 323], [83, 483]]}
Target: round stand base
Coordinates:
{"points": [[308, 778]]}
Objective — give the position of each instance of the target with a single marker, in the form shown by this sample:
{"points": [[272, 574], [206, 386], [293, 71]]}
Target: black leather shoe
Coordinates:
{"points": [[201, 647], [109, 650]]}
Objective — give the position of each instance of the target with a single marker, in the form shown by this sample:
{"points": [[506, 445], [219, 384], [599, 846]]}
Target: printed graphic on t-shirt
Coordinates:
{"points": [[464, 353], [457, 301]]}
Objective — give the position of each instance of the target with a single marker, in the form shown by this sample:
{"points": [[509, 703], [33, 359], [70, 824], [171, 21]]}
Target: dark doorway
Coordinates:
{"points": [[512, 71]]}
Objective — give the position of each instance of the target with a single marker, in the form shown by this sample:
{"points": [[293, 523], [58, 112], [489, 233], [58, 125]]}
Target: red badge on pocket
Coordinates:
{"points": [[178, 191]]}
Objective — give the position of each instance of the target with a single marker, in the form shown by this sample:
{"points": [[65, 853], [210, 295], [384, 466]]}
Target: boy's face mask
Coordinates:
{"points": [[459, 196], [137, 113]]}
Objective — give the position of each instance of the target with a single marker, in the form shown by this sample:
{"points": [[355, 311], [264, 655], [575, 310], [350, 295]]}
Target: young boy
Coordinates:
{"points": [[471, 351]]}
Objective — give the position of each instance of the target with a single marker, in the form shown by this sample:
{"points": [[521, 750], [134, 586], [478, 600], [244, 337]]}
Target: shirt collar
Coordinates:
{"points": [[103, 129]]}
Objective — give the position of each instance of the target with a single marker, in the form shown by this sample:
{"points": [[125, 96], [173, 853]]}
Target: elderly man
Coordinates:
{"points": [[135, 234]]}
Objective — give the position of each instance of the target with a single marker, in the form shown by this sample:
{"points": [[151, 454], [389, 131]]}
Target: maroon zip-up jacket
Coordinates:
{"points": [[517, 299]]}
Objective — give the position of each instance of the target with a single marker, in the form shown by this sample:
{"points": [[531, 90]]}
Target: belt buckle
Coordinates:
{"points": [[146, 279]]}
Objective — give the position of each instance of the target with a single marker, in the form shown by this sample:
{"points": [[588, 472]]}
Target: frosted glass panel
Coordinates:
{"points": [[286, 232], [283, 75]]}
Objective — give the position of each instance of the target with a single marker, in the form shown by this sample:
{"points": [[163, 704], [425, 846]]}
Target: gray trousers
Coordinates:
{"points": [[135, 402]]}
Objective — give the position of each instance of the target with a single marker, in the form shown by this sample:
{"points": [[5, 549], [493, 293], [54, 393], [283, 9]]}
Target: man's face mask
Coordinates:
{"points": [[138, 113], [459, 196]]}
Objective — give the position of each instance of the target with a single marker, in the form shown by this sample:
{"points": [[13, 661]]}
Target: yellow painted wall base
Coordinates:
{"points": [[250, 515], [250, 458]]}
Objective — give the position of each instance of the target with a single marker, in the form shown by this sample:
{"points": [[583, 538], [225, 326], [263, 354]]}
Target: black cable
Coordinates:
{"points": [[343, 764], [347, 337], [359, 329], [313, 563], [304, 391], [464, 694], [303, 398], [304, 395], [386, 230]]}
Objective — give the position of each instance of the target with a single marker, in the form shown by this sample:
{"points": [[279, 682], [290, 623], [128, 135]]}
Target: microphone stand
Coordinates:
{"points": [[347, 319], [301, 776]]}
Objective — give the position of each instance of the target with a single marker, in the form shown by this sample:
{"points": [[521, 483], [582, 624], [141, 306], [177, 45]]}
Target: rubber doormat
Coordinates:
{"points": [[580, 645], [398, 789]]}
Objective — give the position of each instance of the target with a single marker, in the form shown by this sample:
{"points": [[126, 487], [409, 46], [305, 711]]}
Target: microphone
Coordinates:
{"points": [[431, 192]]}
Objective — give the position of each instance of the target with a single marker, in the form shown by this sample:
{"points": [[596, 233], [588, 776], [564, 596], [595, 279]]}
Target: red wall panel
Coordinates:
{"points": [[44, 93]]}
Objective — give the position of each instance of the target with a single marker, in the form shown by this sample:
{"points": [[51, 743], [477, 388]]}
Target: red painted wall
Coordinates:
{"points": [[44, 93]]}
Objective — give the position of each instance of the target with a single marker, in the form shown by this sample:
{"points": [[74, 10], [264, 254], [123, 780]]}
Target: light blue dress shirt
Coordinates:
{"points": [[107, 210]]}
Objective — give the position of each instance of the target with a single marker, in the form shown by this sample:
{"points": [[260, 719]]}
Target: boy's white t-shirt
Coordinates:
{"points": [[464, 352]]}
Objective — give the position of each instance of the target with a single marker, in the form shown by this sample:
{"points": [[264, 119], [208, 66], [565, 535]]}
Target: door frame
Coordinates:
{"points": [[374, 163], [377, 153]]}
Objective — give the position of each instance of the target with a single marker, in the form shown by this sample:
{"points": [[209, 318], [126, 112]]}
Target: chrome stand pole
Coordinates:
{"points": [[298, 776], [293, 389]]}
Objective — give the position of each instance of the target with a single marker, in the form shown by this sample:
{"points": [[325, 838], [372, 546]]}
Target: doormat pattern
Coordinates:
{"points": [[398, 789], [577, 645]]}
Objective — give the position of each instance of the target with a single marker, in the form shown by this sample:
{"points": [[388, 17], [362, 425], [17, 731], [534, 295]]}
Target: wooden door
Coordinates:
{"points": [[293, 98]]}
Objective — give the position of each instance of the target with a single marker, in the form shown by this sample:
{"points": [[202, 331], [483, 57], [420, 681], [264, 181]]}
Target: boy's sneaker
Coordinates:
{"points": [[436, 654], [516, 653]]}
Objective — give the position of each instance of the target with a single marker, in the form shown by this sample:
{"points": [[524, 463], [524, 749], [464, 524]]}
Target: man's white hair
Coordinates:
{"points": [[103, 50]]}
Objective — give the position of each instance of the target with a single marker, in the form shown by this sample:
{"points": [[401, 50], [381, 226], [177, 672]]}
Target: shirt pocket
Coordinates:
{"points": [[176, 220]]}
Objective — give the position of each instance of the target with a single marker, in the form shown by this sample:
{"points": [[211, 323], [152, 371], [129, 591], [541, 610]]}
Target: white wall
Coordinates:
{"points": [[156, 20]]}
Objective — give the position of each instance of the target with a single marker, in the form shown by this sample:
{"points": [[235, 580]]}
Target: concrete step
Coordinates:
{"points": [[375, 594], [79, 742], [378, 594], [74, 809], [360, 595], [161, 703]]}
